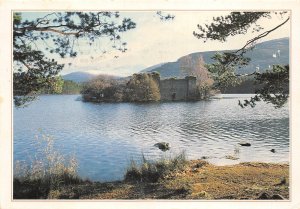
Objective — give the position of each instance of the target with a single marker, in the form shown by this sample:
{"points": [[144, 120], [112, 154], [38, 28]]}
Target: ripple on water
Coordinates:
{"points": [[106, 137]]}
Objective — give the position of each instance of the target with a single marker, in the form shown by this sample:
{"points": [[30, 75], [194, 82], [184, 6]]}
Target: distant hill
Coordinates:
{"points": [[148, 69], [79, 77], [261, 56], [264, 54]]}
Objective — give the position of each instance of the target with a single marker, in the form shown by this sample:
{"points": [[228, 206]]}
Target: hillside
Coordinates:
{"points": [[79, 77], [261, 56]]}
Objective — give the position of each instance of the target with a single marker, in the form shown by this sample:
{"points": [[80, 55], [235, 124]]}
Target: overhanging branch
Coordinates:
{"points": [[261, 36]]}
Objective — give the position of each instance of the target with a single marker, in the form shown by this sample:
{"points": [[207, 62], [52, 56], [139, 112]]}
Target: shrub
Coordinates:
{"points": [[103, 90], [153, 171]]}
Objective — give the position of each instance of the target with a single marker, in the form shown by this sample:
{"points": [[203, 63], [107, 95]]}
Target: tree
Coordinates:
{"points": [[143, 87], [57, 85], [274, 83], [71, 87], [196, 67], [58, 33], [103, 89]]}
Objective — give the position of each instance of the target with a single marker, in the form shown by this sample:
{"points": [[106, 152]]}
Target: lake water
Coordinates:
{"points": [[106, 137]]}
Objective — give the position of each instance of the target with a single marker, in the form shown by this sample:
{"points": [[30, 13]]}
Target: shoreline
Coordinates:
{"points": [[198, 180]]}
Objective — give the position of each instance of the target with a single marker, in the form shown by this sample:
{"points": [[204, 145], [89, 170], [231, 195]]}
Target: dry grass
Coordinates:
{"points": [[242, 181], [197, 180], [46, 174], [153, 171]]}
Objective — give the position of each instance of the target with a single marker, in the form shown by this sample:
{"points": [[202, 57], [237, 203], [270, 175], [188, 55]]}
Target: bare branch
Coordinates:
{"points": [[261, 36]]}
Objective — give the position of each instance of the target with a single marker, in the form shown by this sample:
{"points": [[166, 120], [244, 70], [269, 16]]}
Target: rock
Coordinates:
{"points": [[245, 144], [201, 164], [195, 170], [204, 157], [272, 150], [164, 146], [230, 157], [282, 182]]}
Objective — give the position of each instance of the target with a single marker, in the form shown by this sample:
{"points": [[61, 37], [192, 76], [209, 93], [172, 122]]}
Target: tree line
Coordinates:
{"points": [[61, 86]]}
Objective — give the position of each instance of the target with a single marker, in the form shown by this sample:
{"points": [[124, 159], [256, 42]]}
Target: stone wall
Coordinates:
{"points": [[178, 89]]}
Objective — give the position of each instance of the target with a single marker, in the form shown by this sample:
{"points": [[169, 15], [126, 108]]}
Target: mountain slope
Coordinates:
{"points": [[79, 76], [264, 54]]}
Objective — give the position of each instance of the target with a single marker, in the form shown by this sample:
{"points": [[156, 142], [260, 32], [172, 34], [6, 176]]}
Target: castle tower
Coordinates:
{"points": [[191, 87]]}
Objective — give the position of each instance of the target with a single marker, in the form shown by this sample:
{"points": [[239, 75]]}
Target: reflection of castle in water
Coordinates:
{"points": [[173, 89]]}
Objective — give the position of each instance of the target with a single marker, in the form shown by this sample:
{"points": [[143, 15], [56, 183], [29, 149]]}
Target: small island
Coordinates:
{"points": [[143, 87]]}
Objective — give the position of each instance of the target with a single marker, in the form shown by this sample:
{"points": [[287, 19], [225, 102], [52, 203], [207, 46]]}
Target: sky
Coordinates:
{"points": [[154, 41]]}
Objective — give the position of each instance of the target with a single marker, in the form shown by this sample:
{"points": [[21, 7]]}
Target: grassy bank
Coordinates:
{"points": [[178, 178]]}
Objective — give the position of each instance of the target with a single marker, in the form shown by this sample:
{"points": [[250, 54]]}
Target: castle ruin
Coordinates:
{"points": [[173, 89]]}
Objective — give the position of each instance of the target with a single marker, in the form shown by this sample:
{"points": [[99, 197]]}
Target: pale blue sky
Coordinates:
{"points": [[155, 41]]}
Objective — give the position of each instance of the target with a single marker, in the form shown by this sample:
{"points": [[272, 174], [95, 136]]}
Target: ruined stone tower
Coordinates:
{"points": [[178, 89]]}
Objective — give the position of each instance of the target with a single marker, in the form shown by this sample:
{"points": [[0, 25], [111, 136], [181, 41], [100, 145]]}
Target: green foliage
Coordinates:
{"points": [[230, 25], [143, 87], [71, 87], [57, 33], [39, 74], [48, 171], [247, 85], [17, 17], [275, 87], [223, 69], [55, 86], [149, 171]]}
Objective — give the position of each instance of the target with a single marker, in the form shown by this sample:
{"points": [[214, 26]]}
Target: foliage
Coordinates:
{"points": [[226, 65], [103, 90], [49, 171], [71, 87], [140, 88], [230, 25], [57, 33], [164, 17], [223, 70], [55, 86], [60, 86], [275, 88], [143, 87], [196, 67], [149, 171], [247, 85]]}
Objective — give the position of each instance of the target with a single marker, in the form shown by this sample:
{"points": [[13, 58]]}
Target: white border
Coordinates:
{"points": [[6, 6]]}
